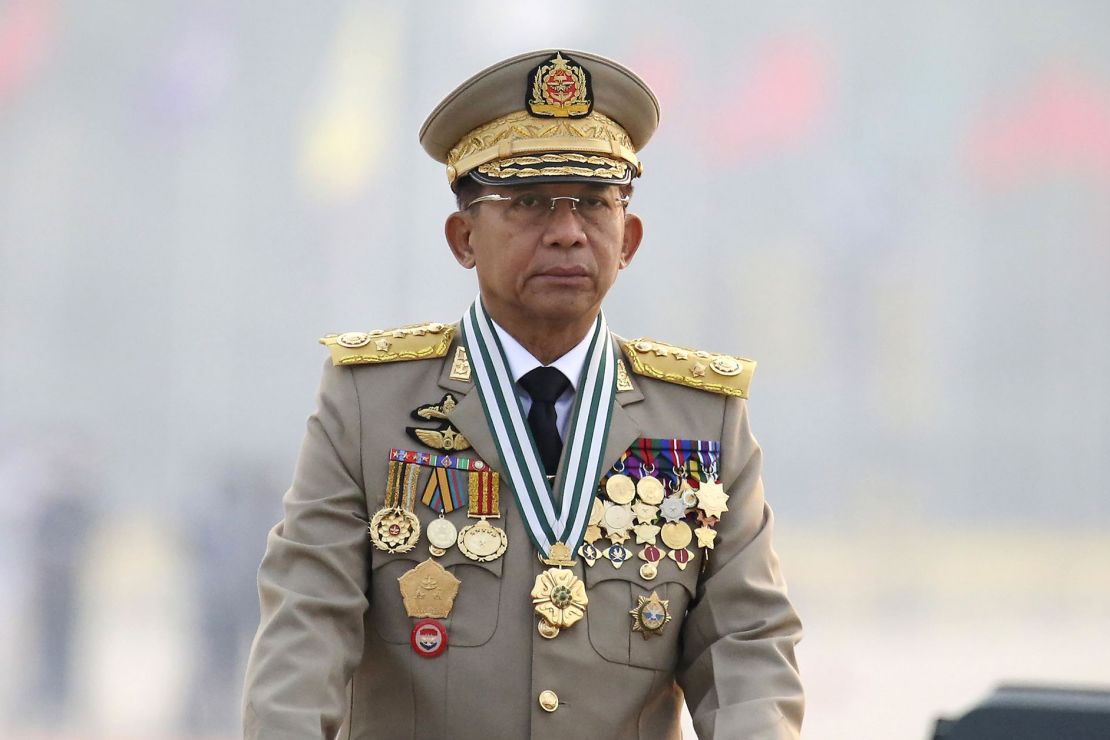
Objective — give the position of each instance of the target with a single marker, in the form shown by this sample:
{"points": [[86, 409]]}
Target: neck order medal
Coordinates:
{"points": [[559, 596]]}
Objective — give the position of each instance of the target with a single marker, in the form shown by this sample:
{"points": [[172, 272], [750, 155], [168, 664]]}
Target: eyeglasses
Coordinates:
{"points": [[532, 209]]}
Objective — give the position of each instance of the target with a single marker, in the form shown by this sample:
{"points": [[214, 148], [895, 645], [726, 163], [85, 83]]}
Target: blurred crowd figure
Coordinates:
{"points": [[48, 500], [66, 672], [226, 541]]}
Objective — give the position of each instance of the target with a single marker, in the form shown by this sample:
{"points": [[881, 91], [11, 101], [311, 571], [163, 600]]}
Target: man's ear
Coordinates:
{"points": [[457, 230], [633, 234]]}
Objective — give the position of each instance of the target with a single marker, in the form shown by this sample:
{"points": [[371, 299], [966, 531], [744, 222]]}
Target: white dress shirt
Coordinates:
{"points": [[522, 362]]}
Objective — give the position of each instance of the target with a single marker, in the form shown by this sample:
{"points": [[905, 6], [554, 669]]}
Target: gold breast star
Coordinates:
{"points": [[681, 354], [660, 351], [593, 534], [706, 536], [698, 370], [645, 533], [712, 499], [645, 513], [382, 345]]}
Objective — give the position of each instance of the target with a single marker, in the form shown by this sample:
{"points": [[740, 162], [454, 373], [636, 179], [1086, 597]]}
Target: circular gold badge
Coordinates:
{"points": [[620, 489], [442, 533], [353, 339], [618, 517], [482, 542], [723, 365], [547, 630], [643, 346], [648, 571], [650, 490], [676, 535]]}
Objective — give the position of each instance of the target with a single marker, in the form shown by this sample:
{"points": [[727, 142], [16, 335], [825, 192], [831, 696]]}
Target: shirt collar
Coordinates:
{"points": [[522, 362]]}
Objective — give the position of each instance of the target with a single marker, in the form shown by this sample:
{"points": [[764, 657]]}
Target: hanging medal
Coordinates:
{"points": [[395, 528], [483, 542], [651, 555], [443, 494], [558, 596]]}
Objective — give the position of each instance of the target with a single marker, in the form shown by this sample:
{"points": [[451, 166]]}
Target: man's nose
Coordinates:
{"points": [[564, 225]]}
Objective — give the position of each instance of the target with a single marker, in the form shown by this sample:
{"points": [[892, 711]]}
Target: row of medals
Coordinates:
{"points": [[396, 529], [634, 507]]}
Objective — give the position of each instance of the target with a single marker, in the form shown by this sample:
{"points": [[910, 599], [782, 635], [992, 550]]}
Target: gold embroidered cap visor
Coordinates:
{"points": [[544, 116]]}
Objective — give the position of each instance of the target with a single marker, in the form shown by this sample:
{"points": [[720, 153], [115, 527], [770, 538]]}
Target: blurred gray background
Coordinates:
{"points": [[900, 210]]}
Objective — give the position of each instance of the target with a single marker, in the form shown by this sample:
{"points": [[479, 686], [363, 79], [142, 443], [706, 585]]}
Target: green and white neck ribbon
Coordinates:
{"points": [[584, 448]]}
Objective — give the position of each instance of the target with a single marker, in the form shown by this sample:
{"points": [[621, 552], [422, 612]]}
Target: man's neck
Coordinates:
{"points": [[546, 342]]}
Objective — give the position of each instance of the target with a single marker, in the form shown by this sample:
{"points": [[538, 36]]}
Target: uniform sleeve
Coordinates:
{"points": [[313, 581], [737, 666]]}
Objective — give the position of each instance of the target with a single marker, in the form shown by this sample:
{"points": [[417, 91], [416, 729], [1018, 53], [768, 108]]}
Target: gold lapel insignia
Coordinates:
{"points": [[460, 366], [447, 437], [624, 383]]}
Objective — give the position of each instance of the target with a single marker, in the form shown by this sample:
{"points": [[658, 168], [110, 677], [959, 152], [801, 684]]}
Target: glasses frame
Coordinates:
{"points": [[572, 200]]}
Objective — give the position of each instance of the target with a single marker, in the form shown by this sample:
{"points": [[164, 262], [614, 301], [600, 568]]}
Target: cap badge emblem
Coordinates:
{"points": [[560, 88]]}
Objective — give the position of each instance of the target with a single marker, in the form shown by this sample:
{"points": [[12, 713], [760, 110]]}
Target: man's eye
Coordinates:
{"points": [[594, 202], [527, 200]]}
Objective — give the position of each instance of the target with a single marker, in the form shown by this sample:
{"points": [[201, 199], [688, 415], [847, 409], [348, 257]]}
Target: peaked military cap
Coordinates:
{"points": [[544, 116]]}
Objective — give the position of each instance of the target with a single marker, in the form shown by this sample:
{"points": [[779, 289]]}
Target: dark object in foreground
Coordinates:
{"points": [[1033, 713]]}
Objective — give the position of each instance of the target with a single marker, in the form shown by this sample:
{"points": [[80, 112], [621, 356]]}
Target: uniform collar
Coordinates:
{"points": [[521, 361]]}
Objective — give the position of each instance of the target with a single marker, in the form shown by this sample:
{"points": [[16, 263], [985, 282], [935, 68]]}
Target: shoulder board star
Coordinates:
{"points": [[414, 342], [709, 371]]}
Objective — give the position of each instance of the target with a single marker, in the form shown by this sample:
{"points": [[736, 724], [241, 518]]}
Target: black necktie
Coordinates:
{"points": [[544, 385]]}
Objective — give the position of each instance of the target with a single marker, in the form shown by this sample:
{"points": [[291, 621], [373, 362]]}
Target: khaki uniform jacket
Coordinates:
{"points": [[333, 650]]}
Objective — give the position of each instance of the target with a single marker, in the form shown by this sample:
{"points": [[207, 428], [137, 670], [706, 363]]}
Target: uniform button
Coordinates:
{"points": [[549, 701]]}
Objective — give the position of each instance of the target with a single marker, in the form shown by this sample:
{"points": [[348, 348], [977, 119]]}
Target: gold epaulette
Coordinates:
{"points": [[708, 371], [415, 342]]}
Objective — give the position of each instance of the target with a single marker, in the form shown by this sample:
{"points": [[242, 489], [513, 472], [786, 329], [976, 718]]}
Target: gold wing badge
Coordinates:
{"points": [[446, 437]]}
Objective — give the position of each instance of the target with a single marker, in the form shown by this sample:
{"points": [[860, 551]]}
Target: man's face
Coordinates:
{"points": [[552, 268]]}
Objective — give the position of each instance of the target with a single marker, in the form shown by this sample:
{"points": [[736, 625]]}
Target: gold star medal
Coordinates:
{"points": [[650, 615], [645, 533], [617, 520], [645, 513], [394, 528], [712, 499], [706, 536], [483, 542]]}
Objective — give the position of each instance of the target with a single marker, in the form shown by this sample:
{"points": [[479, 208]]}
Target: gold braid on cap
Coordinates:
{"points": [[519, 133]]}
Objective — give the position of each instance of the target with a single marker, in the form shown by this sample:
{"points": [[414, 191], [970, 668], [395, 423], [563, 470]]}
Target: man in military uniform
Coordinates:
{"points": [[521, 525]]}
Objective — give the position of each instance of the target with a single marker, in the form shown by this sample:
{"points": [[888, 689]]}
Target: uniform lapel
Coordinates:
{"points": [[623, 428], [468, 416]]}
